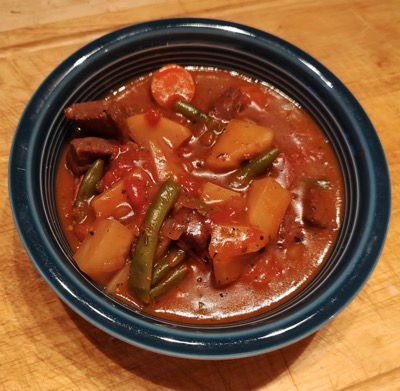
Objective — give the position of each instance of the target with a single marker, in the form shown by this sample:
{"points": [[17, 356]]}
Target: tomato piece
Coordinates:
{"points": [[152, 117], [252, 95], [130, 156], [136, 191], [225, 214], [170, 83], [81, 230], [190, 186]]}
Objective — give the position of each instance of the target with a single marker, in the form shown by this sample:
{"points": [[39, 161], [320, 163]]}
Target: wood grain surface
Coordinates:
{"points": [[46, 346]]}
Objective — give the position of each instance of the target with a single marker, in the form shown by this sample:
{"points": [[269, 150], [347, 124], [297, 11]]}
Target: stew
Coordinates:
{"points": [[198, 195]]}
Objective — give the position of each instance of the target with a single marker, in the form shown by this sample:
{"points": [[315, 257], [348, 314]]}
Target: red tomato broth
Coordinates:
{"points": [[290, 260]]}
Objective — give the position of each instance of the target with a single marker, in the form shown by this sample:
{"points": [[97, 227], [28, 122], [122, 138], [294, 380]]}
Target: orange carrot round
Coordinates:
{"points": [[170, 83]]}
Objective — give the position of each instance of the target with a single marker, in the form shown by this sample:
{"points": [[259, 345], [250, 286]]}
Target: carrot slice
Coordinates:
{"points": [[170, 83]]}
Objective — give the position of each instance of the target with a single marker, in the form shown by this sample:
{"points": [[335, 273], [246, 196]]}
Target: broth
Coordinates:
{"points": [[261, 267]]}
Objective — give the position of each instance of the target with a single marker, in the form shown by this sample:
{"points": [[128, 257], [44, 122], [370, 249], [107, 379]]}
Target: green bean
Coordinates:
{"points": [[191, 112], [140, 273], [89, 182], [171, 259], [254, 167], [171, 280], [162, 247]]}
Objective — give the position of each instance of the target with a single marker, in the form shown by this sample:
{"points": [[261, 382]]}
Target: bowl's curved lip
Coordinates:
{"points": [[155, 336]]}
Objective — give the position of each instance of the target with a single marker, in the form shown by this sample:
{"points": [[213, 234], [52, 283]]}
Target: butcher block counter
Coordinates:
{"points": [[46, 346]]}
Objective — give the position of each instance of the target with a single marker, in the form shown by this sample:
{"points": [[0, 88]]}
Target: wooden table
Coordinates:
{"points": [[46, 346]]}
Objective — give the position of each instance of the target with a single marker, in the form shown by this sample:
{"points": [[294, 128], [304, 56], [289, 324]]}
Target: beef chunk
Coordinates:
{"points": [[319, 207], [227, 105], [84, 151], [291, 230], [189, 226], [92, 117], [197, 233]]}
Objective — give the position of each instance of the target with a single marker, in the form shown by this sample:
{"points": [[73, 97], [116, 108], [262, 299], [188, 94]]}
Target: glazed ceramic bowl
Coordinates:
{"points": [[112, 60]]}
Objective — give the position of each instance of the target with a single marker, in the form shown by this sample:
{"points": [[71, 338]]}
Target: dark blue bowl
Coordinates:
{"points": [[110, 61]]}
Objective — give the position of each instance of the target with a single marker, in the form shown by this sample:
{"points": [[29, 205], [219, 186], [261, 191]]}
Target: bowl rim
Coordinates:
{"points": [[226, 343]]}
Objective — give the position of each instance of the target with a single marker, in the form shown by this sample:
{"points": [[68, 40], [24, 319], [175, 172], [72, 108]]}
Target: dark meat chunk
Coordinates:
{"points": [[84, 151], [118, 112], [228, 104], [197, 233], [93, 118], [291, 230], [319, 207], [189, 226]]}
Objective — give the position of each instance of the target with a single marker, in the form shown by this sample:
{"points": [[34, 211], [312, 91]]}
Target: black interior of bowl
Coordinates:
{"points": [[129, 58]]}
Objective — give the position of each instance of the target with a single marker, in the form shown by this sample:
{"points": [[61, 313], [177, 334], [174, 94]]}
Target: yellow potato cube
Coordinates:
{"points": [[165, 130], [241, 140], [267, 205]]}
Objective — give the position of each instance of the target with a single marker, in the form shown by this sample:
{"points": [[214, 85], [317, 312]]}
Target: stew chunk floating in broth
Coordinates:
{"points": [[198, 195]]}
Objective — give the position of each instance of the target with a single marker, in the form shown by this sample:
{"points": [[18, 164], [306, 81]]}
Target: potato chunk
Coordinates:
{"points": [[241, 140], [104, 250], [165, 162], [211, 193], [267, 205], [231, 248], [164, 130]]}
